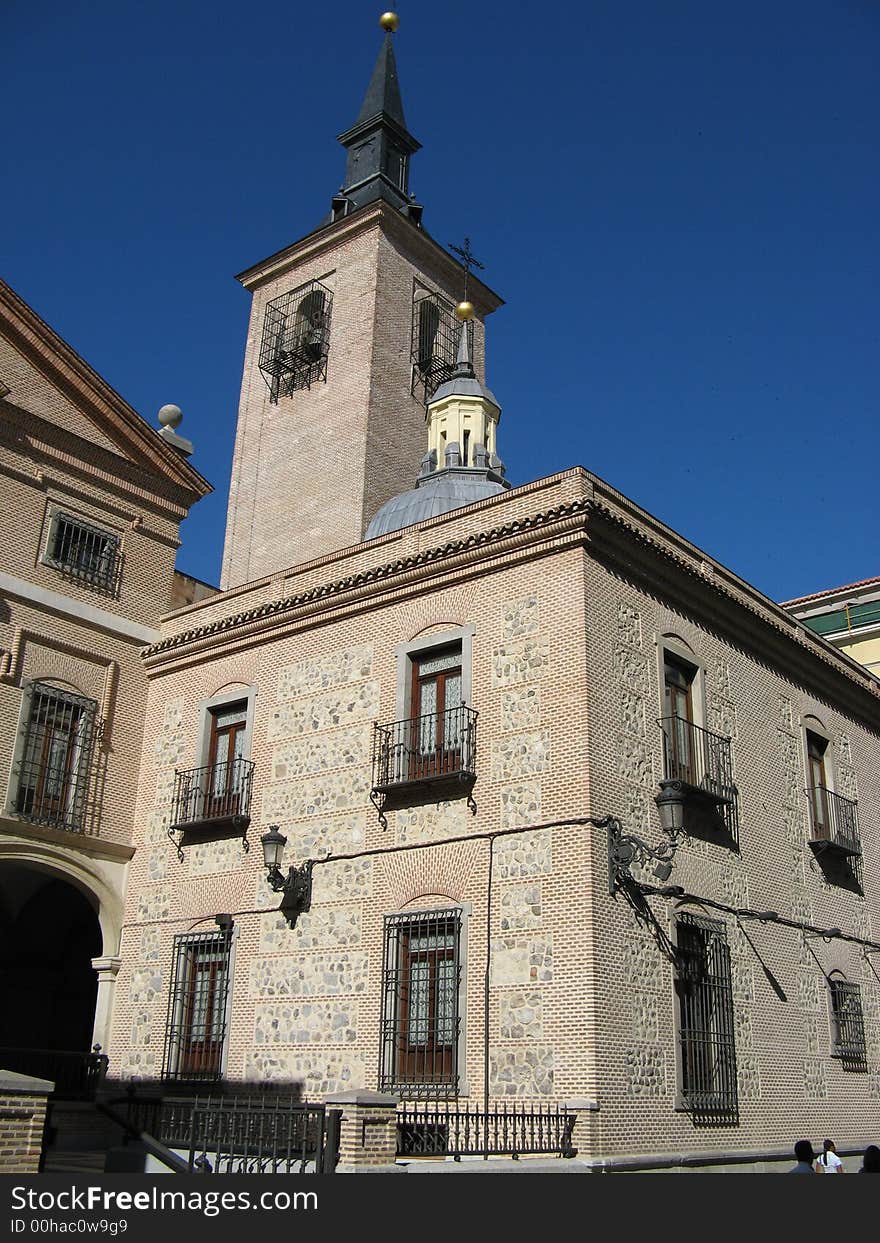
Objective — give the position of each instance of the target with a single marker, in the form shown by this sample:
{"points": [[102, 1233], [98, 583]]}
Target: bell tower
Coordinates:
{"points": [[352, 331]]}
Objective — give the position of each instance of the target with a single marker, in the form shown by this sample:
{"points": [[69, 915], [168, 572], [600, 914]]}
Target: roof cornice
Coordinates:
{"points": [[73, 376], [711, 594], [328, 237]]}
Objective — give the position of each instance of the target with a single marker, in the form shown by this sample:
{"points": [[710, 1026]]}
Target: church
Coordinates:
{"points": [[460, 797]]}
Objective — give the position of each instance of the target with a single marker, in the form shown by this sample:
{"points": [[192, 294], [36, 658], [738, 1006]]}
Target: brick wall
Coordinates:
{"points": [[22, 1118]]}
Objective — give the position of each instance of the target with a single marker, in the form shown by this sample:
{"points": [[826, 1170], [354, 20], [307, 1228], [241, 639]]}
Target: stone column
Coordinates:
{"points": [[369, 1129], [22, 1118], [107, 968]]}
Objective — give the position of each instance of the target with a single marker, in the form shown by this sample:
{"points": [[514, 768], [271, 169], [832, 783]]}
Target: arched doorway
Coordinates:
{"points": [[49, 934]]}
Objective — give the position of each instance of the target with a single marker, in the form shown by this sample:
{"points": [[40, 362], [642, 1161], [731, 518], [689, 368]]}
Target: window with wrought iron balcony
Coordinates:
{"points": [[834, 823], [434, 749], [214, 799], [697, 762]]}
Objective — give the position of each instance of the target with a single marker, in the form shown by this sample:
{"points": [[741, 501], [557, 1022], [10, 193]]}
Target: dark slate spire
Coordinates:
{"points": [[379, 146], [383, 93]]}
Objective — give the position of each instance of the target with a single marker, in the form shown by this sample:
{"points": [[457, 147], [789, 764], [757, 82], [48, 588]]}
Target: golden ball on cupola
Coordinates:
{"points": [[465, 311], [389, 22]]}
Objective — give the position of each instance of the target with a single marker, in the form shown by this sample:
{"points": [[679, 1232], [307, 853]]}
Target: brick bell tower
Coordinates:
{"points": [[352, 331]]}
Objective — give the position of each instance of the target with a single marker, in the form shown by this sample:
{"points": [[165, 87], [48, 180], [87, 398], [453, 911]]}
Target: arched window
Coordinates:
{"points": [[309, 324]]}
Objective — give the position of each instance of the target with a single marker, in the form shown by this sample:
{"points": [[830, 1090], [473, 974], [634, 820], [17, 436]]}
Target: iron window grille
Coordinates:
{"points": [[84, 552], [296, 339], [55, 772], [848, 1026], [706, 1032], [435, 337], [195, 1029], [421, 979]]}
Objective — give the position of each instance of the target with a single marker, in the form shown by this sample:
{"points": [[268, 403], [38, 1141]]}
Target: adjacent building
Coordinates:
{"points": [[92, 503], [847, 617]]}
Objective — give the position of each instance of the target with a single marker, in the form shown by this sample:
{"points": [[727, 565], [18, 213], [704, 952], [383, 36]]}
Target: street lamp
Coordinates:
{"points": [[670, 804], [296, 886]]}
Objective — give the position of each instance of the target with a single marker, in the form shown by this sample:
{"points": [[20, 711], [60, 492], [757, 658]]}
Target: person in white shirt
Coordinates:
{"points": [[829, 1162]]}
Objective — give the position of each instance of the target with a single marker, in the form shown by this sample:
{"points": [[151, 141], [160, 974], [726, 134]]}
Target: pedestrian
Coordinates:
{"points": [[871, 1160], [829, 1162], [803, 1151]]}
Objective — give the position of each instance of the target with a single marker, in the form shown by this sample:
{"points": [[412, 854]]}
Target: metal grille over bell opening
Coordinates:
{"points": [[296, 339], [435, 337]]}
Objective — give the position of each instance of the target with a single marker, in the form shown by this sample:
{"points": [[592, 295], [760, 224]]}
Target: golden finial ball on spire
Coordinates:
{"points": [[389, 22], [465, 311]]}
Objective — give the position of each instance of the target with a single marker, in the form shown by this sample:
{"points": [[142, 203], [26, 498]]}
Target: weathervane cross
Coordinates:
{"points": [[468, 260]]}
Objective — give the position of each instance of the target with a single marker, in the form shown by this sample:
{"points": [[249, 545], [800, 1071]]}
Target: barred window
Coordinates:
{"points": [[196, 1026], [434, 342], [83, 551], [53, 778], [420, 987], [847, 1023], [296, 339], [705, 998]]}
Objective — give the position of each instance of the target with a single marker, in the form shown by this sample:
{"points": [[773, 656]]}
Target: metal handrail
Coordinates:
{"points": [[174, 1162]]}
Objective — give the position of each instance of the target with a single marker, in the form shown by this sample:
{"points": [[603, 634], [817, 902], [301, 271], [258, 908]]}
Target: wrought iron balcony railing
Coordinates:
{"points": [[437, 747], [212, 794], [698, 757], [701, 760], [834, 821]]}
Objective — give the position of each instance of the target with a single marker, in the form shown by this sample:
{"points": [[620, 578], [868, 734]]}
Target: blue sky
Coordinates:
{"points": [[678, 201]]}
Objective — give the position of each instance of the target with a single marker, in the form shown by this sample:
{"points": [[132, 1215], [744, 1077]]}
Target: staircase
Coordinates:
{"points": [[77, 1138]]}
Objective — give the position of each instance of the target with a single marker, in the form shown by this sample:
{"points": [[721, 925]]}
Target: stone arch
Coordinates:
{"points": [[54, 935], [436, 627], [106, 901], [229, 687]]}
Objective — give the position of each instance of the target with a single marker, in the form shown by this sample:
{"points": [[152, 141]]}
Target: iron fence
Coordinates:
{"points": [[212, 793], [272, 1134], [509, 1129], [253, 1133], [834, 820], [77, 1075]]}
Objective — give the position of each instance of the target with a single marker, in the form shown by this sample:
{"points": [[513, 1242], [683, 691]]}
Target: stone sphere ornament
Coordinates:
{"points": [[390, 22], [465, 311], [170, 416]]}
